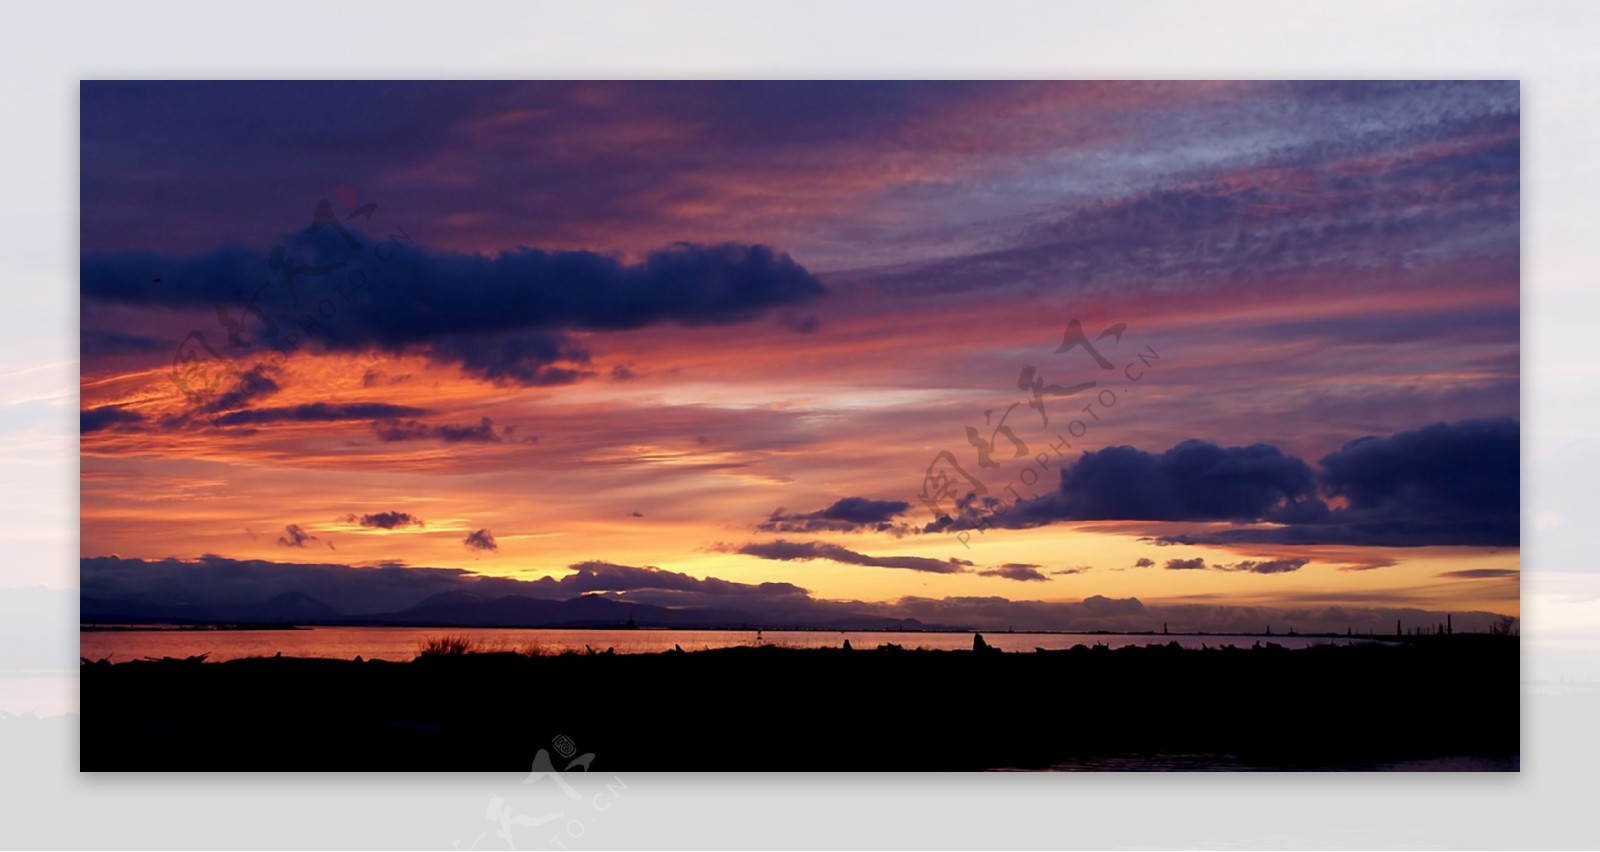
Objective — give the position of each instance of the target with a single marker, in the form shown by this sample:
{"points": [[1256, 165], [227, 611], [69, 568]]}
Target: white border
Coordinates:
{"points": [[1550, 46]]}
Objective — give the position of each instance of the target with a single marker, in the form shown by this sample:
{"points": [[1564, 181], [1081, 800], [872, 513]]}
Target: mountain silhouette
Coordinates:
{"points": [[287, 608], [469, 609]]}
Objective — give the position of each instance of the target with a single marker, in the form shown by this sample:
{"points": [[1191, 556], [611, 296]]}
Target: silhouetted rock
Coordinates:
{"points": [[847, 645], [981, 647]]}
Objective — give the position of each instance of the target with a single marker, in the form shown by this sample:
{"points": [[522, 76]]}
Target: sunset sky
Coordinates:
{"points": [[699, 344]]}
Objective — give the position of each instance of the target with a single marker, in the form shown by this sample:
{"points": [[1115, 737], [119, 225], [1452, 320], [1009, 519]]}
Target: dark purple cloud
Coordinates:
{"points": [[1483, 574], [846, 514], [1252, 566], [217, 580], [505, 148], [1448, 471], [1446, 484], [96, 343], [1266, 566], [1323, 198], [481, 540], [318, 412], [251, 386], [111, 584], [1018, 571], [526, 359], [1102, 605], [500, 318], [790, 551], [609, 577], [294, 536], [385, 520], [1193, 481], [105, 417], [1260, 179], [414, 430]]}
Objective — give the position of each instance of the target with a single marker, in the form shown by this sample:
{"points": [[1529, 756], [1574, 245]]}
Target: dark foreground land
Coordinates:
{"points": [[783, 709]]}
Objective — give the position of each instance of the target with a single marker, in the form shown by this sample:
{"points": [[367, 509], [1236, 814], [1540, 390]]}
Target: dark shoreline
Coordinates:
{"points": [[128, 626], [182, 628], [812, 709]]}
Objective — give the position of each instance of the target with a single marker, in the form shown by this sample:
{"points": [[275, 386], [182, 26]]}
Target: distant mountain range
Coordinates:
{"points": [[467, 609]]}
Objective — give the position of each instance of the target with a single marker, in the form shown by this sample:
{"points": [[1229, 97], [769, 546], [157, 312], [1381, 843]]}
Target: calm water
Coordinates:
{"points": [[401, 643]]}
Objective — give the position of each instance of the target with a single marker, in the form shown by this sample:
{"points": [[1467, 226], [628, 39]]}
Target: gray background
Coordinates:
{"points": [[46, 48]]}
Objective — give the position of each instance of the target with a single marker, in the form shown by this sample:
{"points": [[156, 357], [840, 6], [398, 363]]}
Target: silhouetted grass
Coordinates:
{"points": [[448, 645], [769, 708], [460, 644]]}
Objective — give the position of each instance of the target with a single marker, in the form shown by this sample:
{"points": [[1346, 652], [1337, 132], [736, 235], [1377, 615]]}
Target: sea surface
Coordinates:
{"points": [[403, 643]]}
